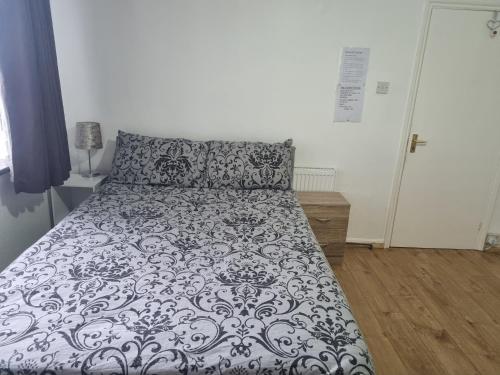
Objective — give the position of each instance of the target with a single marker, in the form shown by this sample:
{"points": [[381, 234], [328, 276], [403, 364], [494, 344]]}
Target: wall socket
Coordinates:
{"points": [[382, 88], [492, 240]]}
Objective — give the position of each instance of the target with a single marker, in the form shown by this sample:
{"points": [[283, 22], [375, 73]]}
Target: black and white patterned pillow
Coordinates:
{"points": [[250, 165], [159, 161]]}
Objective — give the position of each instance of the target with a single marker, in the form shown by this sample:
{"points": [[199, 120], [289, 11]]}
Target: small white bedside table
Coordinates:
{"points": [[69, 195], [76, 180]]}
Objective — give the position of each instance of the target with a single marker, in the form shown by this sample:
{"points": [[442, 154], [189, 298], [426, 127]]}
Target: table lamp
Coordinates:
{"points": [[88, 137]]}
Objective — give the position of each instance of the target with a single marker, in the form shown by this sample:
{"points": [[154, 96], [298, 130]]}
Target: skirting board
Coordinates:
{"points": [[376, 243]]}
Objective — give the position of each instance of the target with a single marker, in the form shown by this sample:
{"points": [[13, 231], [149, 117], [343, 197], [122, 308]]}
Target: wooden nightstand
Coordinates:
{"points": [[328, 215]]}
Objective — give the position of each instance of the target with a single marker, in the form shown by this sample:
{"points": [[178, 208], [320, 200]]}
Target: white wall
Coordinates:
{"points": [[238, 69], [24, 218], [495, 221]]}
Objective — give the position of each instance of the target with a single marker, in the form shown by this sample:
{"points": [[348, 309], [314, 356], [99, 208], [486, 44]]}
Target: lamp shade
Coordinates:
{"points": [[88, 136]]}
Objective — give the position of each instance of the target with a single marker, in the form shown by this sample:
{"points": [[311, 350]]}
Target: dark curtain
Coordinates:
{"points": [[32, 95]]}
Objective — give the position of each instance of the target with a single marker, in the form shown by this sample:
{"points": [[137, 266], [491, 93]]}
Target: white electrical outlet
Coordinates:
{"points": [[383, 87], [492, 240]]}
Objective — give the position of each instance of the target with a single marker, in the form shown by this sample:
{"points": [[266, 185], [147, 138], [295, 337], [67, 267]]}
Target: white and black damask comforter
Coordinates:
{"points": [[159, 280]]}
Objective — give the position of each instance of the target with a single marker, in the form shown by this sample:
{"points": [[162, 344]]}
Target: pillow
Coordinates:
{"points": [[158, 161], [250, 165]]}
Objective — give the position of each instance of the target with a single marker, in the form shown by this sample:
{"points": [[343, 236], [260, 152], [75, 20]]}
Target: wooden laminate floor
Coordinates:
{"points": [[426, 311]]}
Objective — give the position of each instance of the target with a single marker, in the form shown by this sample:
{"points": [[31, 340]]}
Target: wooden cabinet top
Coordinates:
{"points": [[316, 198]]}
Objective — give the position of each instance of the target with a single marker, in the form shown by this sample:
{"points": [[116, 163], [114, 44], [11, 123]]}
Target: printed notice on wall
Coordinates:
{"points": [[351, 86]]}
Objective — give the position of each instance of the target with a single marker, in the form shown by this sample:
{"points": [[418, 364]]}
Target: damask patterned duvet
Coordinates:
{"points": [[159, 280]]}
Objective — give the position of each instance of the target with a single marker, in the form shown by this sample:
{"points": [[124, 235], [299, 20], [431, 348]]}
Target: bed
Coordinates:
{"points": [[151, 279]]}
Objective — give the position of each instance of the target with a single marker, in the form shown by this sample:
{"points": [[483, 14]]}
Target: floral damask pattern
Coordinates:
{"points": [[159, 280], [150, 160], [250, 165]]}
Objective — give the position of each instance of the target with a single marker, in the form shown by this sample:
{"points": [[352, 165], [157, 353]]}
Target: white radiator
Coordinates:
{"points": [[313, 179]]}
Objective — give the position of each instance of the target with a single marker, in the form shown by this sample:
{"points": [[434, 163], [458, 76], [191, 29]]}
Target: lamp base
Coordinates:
{"points": [[90, 174]]}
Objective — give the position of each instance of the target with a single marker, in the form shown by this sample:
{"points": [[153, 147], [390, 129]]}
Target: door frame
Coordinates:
{"points": [[430, 6]]}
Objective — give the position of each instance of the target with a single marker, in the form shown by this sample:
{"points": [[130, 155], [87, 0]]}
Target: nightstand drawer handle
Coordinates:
{"points": [[322, 220], [323, 244]]}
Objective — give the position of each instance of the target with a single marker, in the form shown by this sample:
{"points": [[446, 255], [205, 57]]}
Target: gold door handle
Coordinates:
{"points": [[415, 142]]}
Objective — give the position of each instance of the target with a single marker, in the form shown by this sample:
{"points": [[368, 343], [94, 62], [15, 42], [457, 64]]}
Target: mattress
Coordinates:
{"points": [[161, 280]]}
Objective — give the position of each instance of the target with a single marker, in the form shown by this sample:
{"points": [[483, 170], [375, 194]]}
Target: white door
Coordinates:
{"points": [[447, 182]]}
